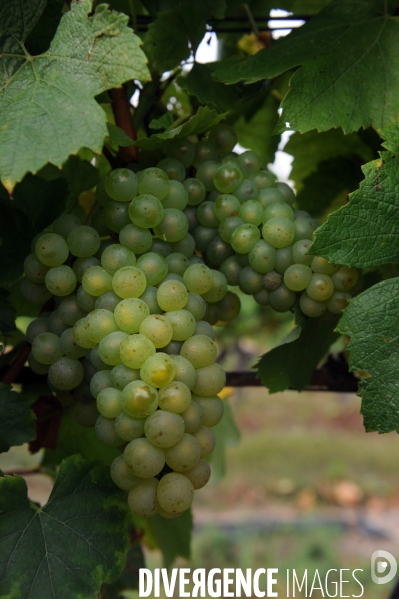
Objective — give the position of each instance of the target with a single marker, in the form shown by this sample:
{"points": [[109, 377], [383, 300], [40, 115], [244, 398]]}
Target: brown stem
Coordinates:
{"points": [[16, 365], [123, 118]]}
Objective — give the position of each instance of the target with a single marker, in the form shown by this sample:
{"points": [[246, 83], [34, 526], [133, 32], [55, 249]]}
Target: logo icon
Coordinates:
{"points": [[379, 564]]}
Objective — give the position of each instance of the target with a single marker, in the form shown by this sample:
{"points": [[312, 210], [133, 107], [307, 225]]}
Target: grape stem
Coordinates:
{"points": [[16, 365], [123, 118]]}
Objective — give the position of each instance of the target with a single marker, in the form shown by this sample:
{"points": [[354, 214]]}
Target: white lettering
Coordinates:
{"points": [[144, 573], [214, 591], [169, 587], [304, 582], [320, 588], [244, 584], [183, 582], [341, 581], [227, 582], [257, 591], [358, 582], [199, 580], [271, 582], [333, 583], [156, 583]]}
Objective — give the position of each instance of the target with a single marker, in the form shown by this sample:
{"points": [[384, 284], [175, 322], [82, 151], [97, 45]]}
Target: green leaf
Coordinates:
{"points": [[118, 136], [7, 313], [67, 548], [204, 120], [200, 83], [391, 135], [17, 421], [57, 114], [80, 174], [163, 122], [166, 43], [370, 320], [35, 205], [365, 232], [291, 364], [227, 434], [129, 579], [349, 78], [173, 535], [74, 438]]}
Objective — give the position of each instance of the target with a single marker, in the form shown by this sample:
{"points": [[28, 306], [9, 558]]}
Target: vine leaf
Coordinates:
{"points": [[57, 114], [291, 364], [227, 434], [349, 54], [129, 579], [200, 83], [68, 547], [365, 232], [173, 536], [17, 421], [370, 320]]}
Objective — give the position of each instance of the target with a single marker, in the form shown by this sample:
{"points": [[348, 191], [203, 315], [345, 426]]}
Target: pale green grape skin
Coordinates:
{"points": [[64, 224], [229, 306], [89, 369], [97, 361], [36, 366], [196, 305], [244, 238], [172, 295], [212, 409], [212, 314], [164, 429], [153, 181], [297, 277], [139, 399], [203, 237], [182, 150], [303, 229], [80, 335], [121, 184], [262, 257], [69, 346], [144, 459], [185, 371], [263, 179], [70, 311], [206, 215], [269, 196], [142, 498], [199, 350], [158, 370], [35, 270], [154, 267], [224, 137], [210, 380], [247, 192], [218, 289], [110, 347], [177, 196], [173, 168], [98, 224], [101, 194], [83, 241], [299, 252], [206, 440], [149, 296], [129, 281], [262, 297], [82, 264], [284, 259], [85, 414], [177, 264], [184, 455], [107, 301], [116, 256], [204, 328], [36, 327], [206, 172], [286, 190], [161, 247], [320, 287], [311, 307], [130, 313], [195, 191], [323, 266], [204, 151], [129, 428], [345, 278], [279, 232], [51, 249], [46, 348], [121, 376], [173, 347], [175, 397], [122, 475], [228, 226], [146, 211], [101, 380], [173, 226], [192, 417], [251, 212], [282, 299], [96, 281], [199, 475], [135, 349], [157, 329], [228, 177], [175, 493], [249, 163], [231, 270], [65, 373], [109, 402], [55, 323], [136, 239], [226, 205], [85, 301], [198, 278], [183, 324], [105, 431], [250, 281], [99, 324], [116, 215], [338, 301], [35, 293], [278, 210]]}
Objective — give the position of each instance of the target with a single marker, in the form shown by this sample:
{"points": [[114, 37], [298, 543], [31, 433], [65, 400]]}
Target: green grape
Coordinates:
{"points": [[303, 229], [116, 256], [69, 346], [173, 277], [177, 196], [173, 347], [110, 348], [185, 371], [65, 373], [262, 257], [185, 454], [277, 210], [279, 232], [323, 266], [206, 440], [199, 350], [250, 281], [206, 215], [121, 185], [297, 277], [129, 428], [183, 324], [196, 305], [196, 260], [85, 301], [249, 163], [244, 238], [130, 313], [204, 328], [262, 297], [122, 475], [142, 498], [35, 271], [302, 214], [102, 196], [82, 264], [101, 380], [89, 369], [251, 212], [108, 301], [36, 367], [218, 289], [51, 249], [270, 196], [286, 190], [98, 224], [320, 287], [82, 393], [129, 281], [231, 269], [61, 280], [136, 239], [212, 409], [97, 361], [83, 241], [154, 267], [225, 206], [205, 151], [311, 307], [177, 263], [36, 327], [192, 417], [146, 211], [229, 306], [109, 403], [205, 173], [116, 215], [212, 314], [263, 179], [153, 181], [161, 247], [85, 414], [164, 429], [284, 259], [121, 376], [96, 281], [158, 370], [55, 323], [173, 168], [172, 295], [80, 335], [345, 278], [150, 298], [139, 399], [199, 475], [64, 224], [228, 177], [338, 301], [195, 191], [282, 299], [135, 349], [203, 237], [103, 245], [175, 493], [99, 324], [175, 397], [173, 226], [185, 246], [300, 252], [46, 348], [157, 329], [105, 431], [182, 150], [144, 459], [217, 252], [224, 137]]}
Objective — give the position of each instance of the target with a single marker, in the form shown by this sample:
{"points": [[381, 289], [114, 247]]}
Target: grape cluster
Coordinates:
{"points": [[129, 345]]}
